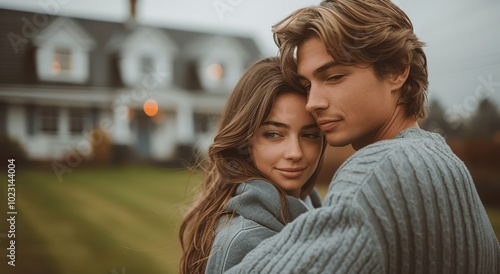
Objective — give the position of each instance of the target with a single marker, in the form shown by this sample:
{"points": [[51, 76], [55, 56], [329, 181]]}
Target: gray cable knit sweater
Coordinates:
{"points": [[406, 205], [256, 205]]}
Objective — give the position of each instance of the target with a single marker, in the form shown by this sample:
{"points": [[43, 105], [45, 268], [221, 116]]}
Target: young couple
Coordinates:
{"points": [[350, 72]]}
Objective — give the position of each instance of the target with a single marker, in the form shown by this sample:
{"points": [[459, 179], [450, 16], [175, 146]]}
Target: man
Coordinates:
{"points": [[404, 202]]}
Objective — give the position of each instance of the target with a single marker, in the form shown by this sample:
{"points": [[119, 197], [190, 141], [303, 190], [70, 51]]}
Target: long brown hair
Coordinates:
{"points": [[376, 32], [228, 161]]}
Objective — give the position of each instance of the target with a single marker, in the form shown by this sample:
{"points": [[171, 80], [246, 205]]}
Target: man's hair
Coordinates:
{"points": [[375, 32]]}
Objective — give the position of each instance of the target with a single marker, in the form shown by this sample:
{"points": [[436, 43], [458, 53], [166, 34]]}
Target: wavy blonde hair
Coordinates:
{"points": [[228, 162], [375, 32]]}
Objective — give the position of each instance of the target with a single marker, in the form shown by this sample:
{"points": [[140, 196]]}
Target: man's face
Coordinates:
{"points": [[349, 103]]}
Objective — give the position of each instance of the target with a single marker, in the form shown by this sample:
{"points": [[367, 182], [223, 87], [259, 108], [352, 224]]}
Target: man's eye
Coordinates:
{"points": [[335, 78]]}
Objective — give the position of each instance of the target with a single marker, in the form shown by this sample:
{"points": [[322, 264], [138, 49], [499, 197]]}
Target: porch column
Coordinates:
{"points": [[185, 124], [121, 131]]}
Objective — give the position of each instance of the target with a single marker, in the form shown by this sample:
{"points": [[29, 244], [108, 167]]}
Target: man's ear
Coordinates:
{"points": [[398, 79]]}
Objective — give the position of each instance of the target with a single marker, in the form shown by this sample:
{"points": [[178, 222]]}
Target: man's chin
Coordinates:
{"points": [[335, 141]]}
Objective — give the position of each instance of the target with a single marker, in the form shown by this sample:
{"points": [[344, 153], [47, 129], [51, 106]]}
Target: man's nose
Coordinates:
{"points": [[316, 99]]}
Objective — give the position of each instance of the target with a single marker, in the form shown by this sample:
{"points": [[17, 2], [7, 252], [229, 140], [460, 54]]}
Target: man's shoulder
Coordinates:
{"points": [[410, 141], [415, 155], [398, 155]]}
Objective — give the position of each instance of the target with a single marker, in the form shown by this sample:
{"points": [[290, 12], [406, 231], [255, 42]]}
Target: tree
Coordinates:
{"points": [[485, 122], [436, 121]]}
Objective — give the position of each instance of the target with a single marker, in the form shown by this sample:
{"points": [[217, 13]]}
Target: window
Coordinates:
{"points": [[76, 121], [63, 51], [215, 71], [147, 65], [49, 118], [61, 63], [205, 123], [192, 80], [216, 75]]}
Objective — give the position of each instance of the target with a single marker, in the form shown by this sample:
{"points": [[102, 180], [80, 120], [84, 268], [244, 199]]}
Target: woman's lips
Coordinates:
{"points": [[292, 172]]}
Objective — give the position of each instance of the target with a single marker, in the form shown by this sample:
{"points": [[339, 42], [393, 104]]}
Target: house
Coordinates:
{"points": [[67, 84]]}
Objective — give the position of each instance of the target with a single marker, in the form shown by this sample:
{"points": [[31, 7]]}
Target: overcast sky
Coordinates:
{"points": [[462, 36]]}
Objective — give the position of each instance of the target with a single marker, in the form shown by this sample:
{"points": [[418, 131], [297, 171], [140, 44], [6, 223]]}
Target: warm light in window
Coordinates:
{"points": [[61, 61], [150, 107], [215, 71], [56, 67]]}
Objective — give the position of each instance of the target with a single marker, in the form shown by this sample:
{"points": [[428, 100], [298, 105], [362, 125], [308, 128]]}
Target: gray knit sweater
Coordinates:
{"points": [[406, 205], [256, 207]]}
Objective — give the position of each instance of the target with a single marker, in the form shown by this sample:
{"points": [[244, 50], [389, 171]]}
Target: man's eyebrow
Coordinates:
{"points": [[326, 66], [320, 70]]}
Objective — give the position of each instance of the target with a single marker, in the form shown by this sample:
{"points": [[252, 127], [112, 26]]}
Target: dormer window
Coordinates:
{"points": [[62, 53], [215, 72], [147, 64], [220, 61], [145, 55], [61, 63]]}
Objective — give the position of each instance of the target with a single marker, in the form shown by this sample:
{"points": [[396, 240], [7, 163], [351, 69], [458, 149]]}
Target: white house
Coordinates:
{"points": [[156, 93]]}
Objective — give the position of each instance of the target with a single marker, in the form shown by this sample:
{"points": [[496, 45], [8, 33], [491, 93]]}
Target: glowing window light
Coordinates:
{"points": [[215, 71], [61, 61], [56, 67], [150, 107]]}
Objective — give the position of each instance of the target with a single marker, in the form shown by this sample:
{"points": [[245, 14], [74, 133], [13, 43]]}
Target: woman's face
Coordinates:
{"points": [[287, 146]]}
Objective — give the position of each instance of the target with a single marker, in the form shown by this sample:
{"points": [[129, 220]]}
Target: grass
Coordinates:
{"points": [[117, 220], [120, 220]]}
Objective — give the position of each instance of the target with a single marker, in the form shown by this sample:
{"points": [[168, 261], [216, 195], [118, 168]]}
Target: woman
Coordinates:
{"points": [[259, 172]]}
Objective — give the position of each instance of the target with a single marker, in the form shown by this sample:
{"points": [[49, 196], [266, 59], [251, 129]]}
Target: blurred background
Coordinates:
{"points": [[104, 106]]}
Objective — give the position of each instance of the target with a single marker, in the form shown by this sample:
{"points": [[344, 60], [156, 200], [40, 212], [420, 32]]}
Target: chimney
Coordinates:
{"points": [[132, 21]]}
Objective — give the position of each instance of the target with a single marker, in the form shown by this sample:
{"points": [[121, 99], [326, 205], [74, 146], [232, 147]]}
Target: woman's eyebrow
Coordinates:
{"points": [[282, 125], [276, 124], [313, 125]]}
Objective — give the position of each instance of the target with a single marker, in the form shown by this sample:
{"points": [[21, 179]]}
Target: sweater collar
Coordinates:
{"points": [[415, 133], [259, 201]]}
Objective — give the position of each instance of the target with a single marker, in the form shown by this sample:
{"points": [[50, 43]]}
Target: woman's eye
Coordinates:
{"points": [[271, 135], [313, 136]]}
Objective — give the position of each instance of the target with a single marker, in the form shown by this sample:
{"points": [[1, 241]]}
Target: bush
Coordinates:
{"points": [[101, 149], [12, 149]]}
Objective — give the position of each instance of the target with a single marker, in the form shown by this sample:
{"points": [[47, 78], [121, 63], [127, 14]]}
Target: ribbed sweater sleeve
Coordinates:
{"points": [[406, 205]]}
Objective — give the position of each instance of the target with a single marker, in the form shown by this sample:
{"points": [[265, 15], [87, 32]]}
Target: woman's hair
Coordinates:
{"points": [[374, 32], [228, 162]]}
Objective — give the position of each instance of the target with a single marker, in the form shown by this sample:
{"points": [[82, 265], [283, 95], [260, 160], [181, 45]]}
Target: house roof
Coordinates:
{"points": [[17, 50]]}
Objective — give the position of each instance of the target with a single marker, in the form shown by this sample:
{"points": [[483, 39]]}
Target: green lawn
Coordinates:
{"points": [[118, 220]]}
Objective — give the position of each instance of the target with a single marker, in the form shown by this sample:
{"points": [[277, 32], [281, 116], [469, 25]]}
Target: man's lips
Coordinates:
{"points": [[327, 125]]}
